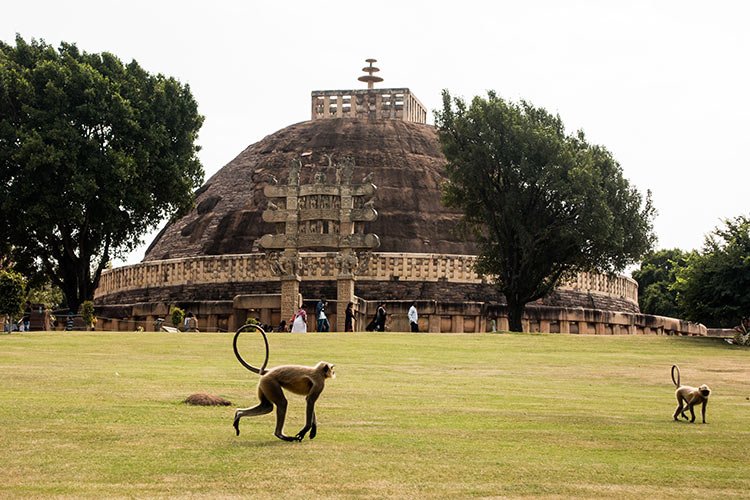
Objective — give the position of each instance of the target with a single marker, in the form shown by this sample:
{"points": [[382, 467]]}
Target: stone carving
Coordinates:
{"points": [[289, 264], [347, 263], [294, 172], [273, 259], [344, 171], [364, 263]]}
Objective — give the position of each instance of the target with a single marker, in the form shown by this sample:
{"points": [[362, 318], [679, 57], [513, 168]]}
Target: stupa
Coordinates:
{"points": [[212, 261]]}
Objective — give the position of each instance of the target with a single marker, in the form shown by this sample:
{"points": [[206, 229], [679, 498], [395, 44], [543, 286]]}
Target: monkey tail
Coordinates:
{"points": [[244, 328], [676, 382]]}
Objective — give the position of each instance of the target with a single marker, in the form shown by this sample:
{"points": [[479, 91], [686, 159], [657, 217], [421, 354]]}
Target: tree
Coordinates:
{"points": [[12, 291], [713, 287], [93, 154], [656, 278], [541, 204]]}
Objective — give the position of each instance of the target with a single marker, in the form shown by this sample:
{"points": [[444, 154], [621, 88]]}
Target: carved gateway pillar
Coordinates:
{"points": [[321, 215]]}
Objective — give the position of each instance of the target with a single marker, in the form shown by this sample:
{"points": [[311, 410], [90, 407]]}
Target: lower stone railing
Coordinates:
{"points": [[434, 317], [317, 266]]}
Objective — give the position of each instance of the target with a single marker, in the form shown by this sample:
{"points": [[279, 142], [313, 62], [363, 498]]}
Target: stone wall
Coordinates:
{"points": [[392, 276], [434, 317]]}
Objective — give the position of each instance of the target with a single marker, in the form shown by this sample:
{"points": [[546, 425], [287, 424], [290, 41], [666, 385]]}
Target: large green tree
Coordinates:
{"points": [[714, 287], [656, 278], [541, 204], [12, 291], [93, 154]]}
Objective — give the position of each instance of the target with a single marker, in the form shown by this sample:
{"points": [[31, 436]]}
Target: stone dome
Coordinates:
{"points": [[404, 158]]}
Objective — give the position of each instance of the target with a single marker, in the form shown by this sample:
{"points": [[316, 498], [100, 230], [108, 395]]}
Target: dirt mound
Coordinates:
{"points": [[203, 399]]}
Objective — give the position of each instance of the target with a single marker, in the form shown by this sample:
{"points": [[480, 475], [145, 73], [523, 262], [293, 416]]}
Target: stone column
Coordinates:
{"points": [[290, 298], [344, 295]]}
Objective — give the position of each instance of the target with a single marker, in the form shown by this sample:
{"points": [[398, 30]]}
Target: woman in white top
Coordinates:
{"points": [[300, 322]]}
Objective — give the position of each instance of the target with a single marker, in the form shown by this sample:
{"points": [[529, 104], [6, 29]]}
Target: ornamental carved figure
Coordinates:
{"points": [[346, 263]]}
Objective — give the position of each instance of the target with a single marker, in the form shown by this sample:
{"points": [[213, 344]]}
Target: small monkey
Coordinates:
{"points": [[689, 396], [308, 381]]}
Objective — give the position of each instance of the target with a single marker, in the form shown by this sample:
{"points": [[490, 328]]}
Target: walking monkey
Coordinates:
{"points": [[308, 381], [690, 396]]}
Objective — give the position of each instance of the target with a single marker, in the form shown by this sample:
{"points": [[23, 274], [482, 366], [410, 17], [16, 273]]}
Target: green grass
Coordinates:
{"points": [[409, 415]]}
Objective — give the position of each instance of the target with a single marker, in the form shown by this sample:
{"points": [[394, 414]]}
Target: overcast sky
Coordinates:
{"points": [[664, 85]]}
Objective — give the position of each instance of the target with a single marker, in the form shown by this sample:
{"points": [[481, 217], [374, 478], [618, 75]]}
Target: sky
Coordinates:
{"points": [[664, 85]]}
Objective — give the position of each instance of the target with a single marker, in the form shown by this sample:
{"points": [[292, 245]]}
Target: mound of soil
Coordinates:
{"points": [[203, 399]]}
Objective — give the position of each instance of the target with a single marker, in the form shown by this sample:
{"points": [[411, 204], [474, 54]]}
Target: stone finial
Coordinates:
{"points": [[369, 77]]}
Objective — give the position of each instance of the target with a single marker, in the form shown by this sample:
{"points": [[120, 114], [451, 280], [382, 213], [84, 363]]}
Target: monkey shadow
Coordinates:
{"points": [[261, 444]]}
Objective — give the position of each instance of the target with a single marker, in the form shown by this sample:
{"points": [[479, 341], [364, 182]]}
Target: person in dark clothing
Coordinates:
{"points": [[27, 317], [380, 318], [349, 319], [320, 314]]}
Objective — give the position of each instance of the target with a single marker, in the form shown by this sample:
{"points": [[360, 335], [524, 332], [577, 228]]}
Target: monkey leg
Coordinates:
{"points": [[679, 411], [265, 406], [314, 428], [692, 413], [273, 391], [310, 421], [280, 417]]}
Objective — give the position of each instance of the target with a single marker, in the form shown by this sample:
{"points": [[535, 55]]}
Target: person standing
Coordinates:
{"points": [[349, 319], [413, 317], [299, 325], [320, 313], [27, 317], [380, 318]]}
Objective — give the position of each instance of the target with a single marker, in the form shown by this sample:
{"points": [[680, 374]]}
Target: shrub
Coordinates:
{"points": [[178, 315]]}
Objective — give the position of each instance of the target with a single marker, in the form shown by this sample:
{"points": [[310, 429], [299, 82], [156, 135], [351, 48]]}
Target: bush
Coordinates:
{"points": [[178, 316], [87, 312]]}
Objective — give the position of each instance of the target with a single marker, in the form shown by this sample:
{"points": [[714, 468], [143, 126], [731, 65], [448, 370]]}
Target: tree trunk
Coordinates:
{"points": [[515, 315]]}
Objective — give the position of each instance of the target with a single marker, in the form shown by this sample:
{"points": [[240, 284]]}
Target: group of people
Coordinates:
{"points": [[190, 324], [299, 321]]}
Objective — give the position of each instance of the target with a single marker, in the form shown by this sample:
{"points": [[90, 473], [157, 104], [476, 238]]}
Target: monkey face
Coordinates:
{"points": [[704, 390], [331, 372]]}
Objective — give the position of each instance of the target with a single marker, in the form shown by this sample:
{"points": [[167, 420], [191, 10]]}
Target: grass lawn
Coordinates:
{"points": [[409, 415]]}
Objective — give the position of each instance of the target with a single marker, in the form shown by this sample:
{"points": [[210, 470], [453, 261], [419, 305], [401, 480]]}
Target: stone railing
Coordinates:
{"points": [[215, 269], [384, 104]]}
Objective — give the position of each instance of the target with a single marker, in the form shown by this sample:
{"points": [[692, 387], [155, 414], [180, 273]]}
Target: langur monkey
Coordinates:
{"points": [[690, 396], [308, 381]]}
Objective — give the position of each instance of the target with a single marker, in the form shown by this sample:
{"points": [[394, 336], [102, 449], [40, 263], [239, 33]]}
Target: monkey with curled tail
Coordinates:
{"points": [[688, 397], [308, 381]]}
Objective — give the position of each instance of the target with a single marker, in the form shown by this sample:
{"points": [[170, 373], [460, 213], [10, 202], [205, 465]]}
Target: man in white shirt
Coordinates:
{"points": [[413, 318]]}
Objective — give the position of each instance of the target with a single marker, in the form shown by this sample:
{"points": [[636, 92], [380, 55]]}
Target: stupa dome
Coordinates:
{"points": [[403, 157]]}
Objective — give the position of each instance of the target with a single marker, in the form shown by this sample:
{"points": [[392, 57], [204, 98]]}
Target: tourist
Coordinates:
{"points": [[299, 323], [413, 317], [349, 319], [191, 322], [380, 316], [27, 317], [320, 314]]}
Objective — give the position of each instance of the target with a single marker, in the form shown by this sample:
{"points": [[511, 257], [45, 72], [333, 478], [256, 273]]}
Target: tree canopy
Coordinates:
{"points": [[541, 204], [656, 278], [12, 291], [93, 154], [713, 288]]}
